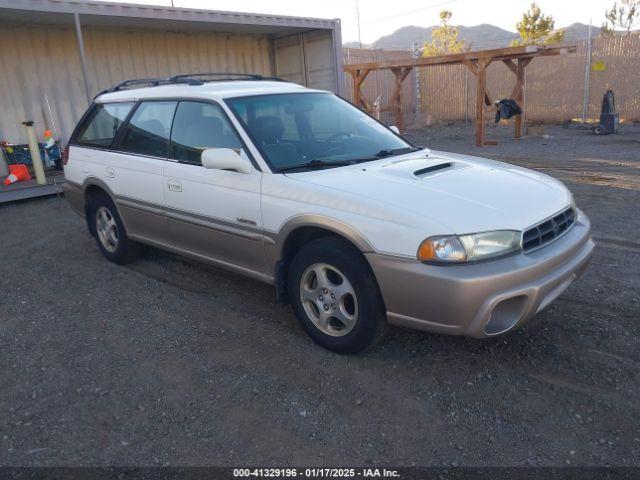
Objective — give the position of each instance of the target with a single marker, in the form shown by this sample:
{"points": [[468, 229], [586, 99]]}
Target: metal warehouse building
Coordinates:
{"points": [[55, 55]]}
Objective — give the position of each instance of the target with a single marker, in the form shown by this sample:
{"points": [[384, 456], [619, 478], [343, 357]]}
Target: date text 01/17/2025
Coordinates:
{"points": [[315, 472]]}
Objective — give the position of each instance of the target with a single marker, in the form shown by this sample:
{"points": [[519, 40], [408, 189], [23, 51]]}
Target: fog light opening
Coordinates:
{"points": [[505, 315]]}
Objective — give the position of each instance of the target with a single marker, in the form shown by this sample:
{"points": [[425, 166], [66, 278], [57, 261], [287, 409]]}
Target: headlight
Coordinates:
{"points": [[469, 248]]}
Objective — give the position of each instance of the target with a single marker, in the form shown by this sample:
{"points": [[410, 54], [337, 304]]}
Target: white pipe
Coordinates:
{"points": [[587, 78], [53, 120], [36, 159]]}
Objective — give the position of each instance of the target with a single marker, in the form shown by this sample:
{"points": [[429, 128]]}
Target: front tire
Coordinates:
{"points": [[108, 229], [335, 296]]}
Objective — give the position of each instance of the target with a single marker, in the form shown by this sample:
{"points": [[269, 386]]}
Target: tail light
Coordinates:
{"points": [[65, 155]]}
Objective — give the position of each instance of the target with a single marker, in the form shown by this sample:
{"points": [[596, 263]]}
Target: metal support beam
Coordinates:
{"points": [[83, 61]]}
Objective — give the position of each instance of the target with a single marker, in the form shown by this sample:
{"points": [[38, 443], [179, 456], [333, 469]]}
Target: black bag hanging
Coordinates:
{"points": [[507, 108]]}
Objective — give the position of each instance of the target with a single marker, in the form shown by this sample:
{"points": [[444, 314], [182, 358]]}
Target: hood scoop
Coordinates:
{"points": [[417, 169], [432, 168]]}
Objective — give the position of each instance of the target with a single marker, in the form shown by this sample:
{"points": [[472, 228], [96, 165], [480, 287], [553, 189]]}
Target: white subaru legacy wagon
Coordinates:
{"points": [[354, 226]]}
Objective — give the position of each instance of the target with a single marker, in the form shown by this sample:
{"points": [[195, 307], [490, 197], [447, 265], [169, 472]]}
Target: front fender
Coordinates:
{"points": [[275, 247]]}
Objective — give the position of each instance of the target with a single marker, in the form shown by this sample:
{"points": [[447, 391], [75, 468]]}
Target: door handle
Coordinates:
{"points": [[174, 185], [110, 172]]}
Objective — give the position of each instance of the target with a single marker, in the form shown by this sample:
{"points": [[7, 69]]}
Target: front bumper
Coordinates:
{"points": [[482, 299]]}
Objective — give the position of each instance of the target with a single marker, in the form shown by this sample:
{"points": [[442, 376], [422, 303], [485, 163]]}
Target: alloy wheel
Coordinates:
{"points": [[329, 299], [107, 229]]}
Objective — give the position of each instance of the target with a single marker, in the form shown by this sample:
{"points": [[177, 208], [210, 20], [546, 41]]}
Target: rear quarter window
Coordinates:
{"points": [[148, 130], [102, 124]]}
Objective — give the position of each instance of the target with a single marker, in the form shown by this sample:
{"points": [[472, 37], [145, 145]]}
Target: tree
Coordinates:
{"points": [[626, 15], [535, 28], [444, 39]]}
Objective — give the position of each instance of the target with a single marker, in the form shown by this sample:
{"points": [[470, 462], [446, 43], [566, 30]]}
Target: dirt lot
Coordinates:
{"points": [[168, 362]]}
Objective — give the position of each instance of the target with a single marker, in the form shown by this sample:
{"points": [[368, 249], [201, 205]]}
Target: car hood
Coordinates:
{"points": [[463, 193]]}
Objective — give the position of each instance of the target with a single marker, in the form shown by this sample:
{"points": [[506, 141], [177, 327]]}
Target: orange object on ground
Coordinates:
{"points": [[17, 173]]}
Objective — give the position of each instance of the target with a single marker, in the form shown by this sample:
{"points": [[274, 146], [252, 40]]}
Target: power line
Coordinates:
{"points": [[338, 4], [358, 18], [410, 12]]}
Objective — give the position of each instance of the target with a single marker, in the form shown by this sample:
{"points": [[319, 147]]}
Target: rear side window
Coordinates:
{"points": [[102, 124], [148, 130], [198, 126]]}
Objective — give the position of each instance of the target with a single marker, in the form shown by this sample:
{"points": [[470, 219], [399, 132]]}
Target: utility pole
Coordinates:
{"points": [[466, 95], [587, 73], [415, 47], [358, 19]]}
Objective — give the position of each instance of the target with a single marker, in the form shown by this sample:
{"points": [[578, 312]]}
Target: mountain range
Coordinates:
{"points": [[477, 37]]}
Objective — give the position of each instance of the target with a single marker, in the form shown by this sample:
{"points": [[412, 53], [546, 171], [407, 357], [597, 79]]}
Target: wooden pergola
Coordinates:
{"points": [[515, 58]]}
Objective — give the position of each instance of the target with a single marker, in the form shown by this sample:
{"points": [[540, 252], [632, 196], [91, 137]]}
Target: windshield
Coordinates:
{"points": [[299, 130]]}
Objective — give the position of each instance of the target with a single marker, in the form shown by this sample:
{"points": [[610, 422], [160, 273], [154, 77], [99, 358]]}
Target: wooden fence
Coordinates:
{"points": [[381, 83], [555, 86]]}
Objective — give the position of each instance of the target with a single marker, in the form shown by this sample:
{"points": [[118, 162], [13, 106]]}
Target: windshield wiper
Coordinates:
{"points": [[387, 153], [317, 164], [396, 151]]}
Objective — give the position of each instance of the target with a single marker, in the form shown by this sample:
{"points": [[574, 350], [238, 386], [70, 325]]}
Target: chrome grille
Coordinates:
{"points": [[548, 230]]}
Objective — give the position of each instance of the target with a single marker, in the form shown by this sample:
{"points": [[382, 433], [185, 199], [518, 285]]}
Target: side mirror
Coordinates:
{"points": [[225, 159], [394, 129]]}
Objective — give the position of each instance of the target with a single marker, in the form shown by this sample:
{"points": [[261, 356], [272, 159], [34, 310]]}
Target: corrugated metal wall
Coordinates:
{"points": [[36, 61], [320, 60], [308, 59]]}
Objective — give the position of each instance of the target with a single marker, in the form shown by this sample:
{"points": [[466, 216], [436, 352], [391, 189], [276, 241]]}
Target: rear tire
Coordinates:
{"points": [[335, 296], [108, 229]]}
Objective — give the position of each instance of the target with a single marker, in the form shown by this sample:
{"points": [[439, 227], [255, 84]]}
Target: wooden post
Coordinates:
{"points": [[400, 74], [519, 95], [518, 92], [483, 98], [480, 98], [356, 89], [358, 77], [357, 94]]}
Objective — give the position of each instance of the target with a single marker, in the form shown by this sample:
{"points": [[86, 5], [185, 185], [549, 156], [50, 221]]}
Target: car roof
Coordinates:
{"points": [[212, 90]]}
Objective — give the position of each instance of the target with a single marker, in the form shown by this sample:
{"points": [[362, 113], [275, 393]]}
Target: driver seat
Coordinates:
{"points": [[268, 131]]}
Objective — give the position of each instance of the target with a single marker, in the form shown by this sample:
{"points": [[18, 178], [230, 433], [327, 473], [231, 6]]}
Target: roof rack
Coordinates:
{"points": [[187, 78], [150, 82], [224, 76]]}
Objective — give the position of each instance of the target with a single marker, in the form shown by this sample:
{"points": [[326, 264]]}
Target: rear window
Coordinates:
{"points": [[102, 124], [198, 126]]}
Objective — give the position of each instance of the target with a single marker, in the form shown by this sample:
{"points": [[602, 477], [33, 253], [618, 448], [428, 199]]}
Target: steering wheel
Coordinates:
{"points": [[327, 143], [337, 135]]}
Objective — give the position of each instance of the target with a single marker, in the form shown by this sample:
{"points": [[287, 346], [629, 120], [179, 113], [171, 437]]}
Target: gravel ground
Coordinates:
{"points": [[168, 362]]}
